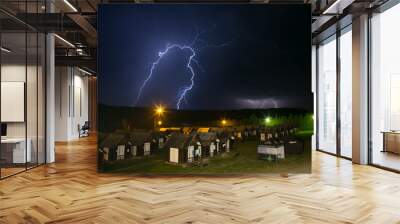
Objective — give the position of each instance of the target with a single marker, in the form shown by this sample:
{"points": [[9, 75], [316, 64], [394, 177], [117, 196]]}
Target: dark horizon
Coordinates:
{"points": [[211, 110], [244, 56], [113, 117]]}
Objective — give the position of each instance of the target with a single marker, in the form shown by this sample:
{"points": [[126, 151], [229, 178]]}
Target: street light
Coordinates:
{"points": [[157, 118], [267, 120], [159, 110], [224, 122]]}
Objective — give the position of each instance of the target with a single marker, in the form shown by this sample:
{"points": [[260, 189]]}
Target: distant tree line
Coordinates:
{"points": [[302, 121]]}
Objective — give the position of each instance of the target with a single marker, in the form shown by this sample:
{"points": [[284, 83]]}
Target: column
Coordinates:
{"points": [[360, 90], [50, 92]]}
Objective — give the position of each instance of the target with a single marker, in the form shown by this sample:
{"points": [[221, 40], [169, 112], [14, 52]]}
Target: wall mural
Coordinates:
{"points": [[204, 88]]}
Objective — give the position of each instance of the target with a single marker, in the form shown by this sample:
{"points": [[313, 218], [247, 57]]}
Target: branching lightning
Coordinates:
{"points": [[191, 60]]}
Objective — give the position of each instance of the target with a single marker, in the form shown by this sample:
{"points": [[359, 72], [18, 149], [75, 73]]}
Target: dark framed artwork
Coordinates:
{"points": [[204, 88]]}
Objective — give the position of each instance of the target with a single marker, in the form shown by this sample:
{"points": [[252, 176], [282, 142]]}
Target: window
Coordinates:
{"points": [[22, 89], [327, 96], [385, 88], [346, 93]]}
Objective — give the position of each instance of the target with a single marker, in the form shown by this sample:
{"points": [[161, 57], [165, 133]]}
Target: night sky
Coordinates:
{"points": [[247, 56]]}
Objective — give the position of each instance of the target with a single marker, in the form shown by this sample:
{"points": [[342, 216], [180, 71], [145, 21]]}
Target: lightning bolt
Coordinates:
{"points": [[186, 89]]}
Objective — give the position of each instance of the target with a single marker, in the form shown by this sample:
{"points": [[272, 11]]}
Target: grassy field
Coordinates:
{"points": [[242, 159], [303, 134]]}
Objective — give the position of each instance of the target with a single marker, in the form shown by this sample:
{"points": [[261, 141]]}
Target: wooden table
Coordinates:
{"points": [[391, 141]]}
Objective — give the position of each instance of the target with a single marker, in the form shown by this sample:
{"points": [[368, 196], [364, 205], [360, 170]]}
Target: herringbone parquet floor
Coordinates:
{"points": [[71, 191]]}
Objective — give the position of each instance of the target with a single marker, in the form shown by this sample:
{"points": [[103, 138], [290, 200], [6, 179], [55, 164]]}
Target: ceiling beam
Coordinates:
{"points": [[84, 24], [81, 61]]}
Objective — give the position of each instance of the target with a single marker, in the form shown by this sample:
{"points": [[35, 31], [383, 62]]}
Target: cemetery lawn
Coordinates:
{"points": [[243, 159]]}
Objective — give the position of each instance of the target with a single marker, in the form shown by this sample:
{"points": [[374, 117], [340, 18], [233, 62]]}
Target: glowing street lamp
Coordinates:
{"points": [[224, 122], [157, 118], [267, 120], [159, 110]]}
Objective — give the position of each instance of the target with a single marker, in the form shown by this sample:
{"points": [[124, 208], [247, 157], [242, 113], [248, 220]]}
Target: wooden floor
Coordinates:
{"points": [[71, 191], [387, 159], [5, 172]]}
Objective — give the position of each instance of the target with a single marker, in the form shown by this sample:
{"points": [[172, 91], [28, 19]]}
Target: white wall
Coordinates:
{"points": [[71, 102], [62, 82], [10, 73], [81, 104]]}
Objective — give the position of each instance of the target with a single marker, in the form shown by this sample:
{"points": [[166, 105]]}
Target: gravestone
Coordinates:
{"points": [[146, 149]]}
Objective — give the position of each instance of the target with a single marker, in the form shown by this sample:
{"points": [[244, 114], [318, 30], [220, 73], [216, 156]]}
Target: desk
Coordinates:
{"points": [[13, 150], [391, 141]]}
